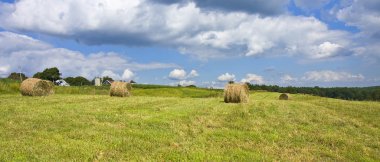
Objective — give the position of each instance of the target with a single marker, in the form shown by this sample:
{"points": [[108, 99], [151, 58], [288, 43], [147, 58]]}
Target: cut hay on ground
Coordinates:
{"points": [[120, 89], [284, 96], [236, 93], [36, 87]]}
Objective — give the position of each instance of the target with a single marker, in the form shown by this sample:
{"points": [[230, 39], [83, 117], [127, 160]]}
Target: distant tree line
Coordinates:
{"points": [[17, 76], [365, 93], [53, 74], [346, 93]]}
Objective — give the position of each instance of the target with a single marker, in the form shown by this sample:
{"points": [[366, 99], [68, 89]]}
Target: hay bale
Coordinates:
{"points": [[36, 87], [236, 93], [284, 96], [120, 89]]}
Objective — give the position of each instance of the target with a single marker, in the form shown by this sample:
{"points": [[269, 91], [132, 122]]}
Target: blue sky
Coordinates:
{"points": [[206, 43]]}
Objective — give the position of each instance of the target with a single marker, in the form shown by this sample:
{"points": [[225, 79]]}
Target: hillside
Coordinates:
{"points": [[186, 124]]}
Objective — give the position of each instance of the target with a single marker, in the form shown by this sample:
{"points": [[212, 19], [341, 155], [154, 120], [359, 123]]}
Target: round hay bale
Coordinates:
{"points": [[236, 93], [120, 89], [284, 96], [36, 87]]}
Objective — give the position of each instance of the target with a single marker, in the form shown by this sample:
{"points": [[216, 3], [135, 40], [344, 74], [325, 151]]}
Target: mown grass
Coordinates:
{"points": [[72, 127], [8, 86]]}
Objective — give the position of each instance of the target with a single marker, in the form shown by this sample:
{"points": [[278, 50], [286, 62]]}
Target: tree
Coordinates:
{"points": [[16, 76], [51, 74], [77, 81], [107, 78], [132, 81]]}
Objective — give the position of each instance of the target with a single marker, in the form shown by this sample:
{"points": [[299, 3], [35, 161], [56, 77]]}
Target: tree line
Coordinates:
{"points": [[53, 74], [346, 93]]}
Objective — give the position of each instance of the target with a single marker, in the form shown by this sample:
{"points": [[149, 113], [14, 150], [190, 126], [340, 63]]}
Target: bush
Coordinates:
{"points": [[16, 76], [77, 81]]}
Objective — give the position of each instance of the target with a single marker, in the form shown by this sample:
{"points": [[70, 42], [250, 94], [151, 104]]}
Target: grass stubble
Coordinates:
{"points": [[187, 124]]}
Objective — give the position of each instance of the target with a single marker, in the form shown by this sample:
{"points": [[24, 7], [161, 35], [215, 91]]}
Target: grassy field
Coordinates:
{"points": [[168, 123], [8, 86]]}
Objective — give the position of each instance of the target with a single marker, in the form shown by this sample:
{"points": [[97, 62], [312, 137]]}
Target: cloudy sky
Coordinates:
{"points": [[201, 42]]}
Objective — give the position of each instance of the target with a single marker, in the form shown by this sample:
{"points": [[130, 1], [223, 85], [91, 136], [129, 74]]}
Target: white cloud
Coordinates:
{"points": [[226, 77], [33, 55], [4, 71], [192, 74], [253, 78], [331, 76], [10, 42], [111, 74], [200, 33], [327, 50], [365, 15], [177, 74], [128, 74], [186, 82], [180, 74], [288, 78]]}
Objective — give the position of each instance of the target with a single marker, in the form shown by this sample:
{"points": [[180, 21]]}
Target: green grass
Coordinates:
{"points": [[80, 127], [8, 86]]}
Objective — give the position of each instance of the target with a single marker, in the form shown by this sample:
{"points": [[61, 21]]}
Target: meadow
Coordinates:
{"points": [[191, 124]]}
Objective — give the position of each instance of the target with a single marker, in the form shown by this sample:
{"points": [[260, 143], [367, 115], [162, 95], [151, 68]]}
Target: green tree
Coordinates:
{"points": [[77, 81], [107, 78], [16, 76], [51, 74]]}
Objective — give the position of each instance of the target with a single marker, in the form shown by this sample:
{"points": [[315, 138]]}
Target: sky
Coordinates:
{"points": [[206, 43]]}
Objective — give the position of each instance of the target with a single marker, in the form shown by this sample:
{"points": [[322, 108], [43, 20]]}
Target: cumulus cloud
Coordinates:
{"points": [[180, 74], [128, 74], [226, 77], [365, 15], [288, 78], [331, 76], [177, 74], [186, 82], [253, 78], [32, 55], [111, 74], [200, 33], [11, 42], [327, 50], [4, 71], [192, 74]]}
